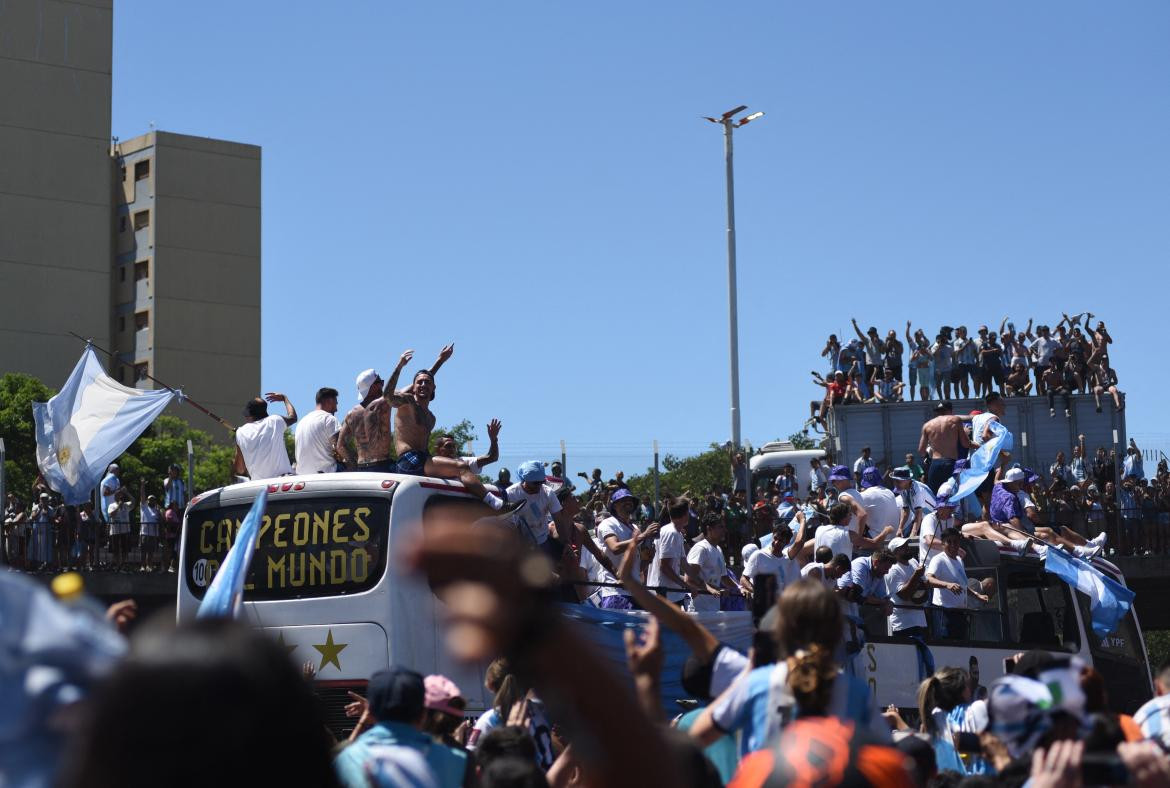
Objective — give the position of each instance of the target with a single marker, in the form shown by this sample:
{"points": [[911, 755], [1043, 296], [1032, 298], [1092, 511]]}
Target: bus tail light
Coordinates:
{"points": [[273, 488], [299, 486], [387, 484], [286, 487]]}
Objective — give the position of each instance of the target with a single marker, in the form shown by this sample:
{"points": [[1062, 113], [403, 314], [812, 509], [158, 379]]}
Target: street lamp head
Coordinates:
{"points": [[749, 119], [735, 111]]}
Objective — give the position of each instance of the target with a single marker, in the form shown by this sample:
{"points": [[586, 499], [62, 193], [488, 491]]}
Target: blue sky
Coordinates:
{"points": [[532, 180]]}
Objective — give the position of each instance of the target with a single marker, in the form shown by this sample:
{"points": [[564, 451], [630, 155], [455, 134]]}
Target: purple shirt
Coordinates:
{"points": [[1004, 505]]}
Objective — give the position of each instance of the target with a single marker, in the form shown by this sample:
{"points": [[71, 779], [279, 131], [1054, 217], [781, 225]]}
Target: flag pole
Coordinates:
{"points": [[183, 397]]}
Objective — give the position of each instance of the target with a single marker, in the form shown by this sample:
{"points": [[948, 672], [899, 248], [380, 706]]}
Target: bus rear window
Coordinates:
{"points": [[308, 546]]}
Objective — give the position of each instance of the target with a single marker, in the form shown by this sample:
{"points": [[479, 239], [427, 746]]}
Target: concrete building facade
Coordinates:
{"points": [[186, 292], [55, 182], [150, 247]]}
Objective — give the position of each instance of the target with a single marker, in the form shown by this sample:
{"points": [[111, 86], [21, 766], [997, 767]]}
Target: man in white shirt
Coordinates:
{"points": [[707, 564], [906, 585], [532, 505], [316, 437], [149, 516], [778, 559], [260, 449], [828, 571], [817, 478], [118, 515], [618, 534], [867, 578], [913, 499], [861, 463], [881, 506], [670, 552], [947, 576], [934, 524], [836, 536]]}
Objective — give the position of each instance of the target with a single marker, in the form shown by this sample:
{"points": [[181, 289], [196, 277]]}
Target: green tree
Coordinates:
{"points": [[462, 432], [800, 440], [165, 442], [693, 475], [17, 394]]}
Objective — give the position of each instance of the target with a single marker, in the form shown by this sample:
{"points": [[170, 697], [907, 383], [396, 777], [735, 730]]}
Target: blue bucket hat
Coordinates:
{"points": [[620, 494], [531, 471], [840, 473], [871, 477]]}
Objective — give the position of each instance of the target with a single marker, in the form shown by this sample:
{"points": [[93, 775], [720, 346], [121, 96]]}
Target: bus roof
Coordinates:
{"points": [[325, 482]]}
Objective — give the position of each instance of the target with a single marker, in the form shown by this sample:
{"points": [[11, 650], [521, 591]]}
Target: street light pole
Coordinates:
{"points": [[729, 124]]}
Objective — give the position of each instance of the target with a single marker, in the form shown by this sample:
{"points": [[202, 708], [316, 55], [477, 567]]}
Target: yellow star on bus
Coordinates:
{"points": [[329, 651], [288, 647]]}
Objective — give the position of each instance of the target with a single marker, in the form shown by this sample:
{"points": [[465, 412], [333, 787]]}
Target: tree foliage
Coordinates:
{"points": [[693, 475], [17, 394], [801, 440]]}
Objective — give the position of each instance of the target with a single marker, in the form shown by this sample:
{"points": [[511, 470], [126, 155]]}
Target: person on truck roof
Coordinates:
{"points": [[260, 449], [940, 441]]}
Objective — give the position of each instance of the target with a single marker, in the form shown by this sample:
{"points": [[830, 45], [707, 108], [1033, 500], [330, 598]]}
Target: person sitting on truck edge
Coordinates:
{"points": [[413, 422], [445, 446], [366, 427], [941, 437], [260, 449]]}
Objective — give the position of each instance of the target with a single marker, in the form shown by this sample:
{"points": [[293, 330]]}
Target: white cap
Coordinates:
{"points": [[899, 541], [1015, 475], [747, 551], [113, 466], [364, 381]]}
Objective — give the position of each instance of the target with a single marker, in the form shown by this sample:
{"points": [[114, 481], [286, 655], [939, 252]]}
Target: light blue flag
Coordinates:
{"points": [[88, 424], [225, 595], [982, 461], [1109, 600]]}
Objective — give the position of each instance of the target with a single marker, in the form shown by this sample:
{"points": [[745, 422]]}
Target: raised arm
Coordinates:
{"points": [[291, 412], [1002, 324], [909, 339], [444, 354], [857, 329], [390, 390], [701, 641], [493, 430]]}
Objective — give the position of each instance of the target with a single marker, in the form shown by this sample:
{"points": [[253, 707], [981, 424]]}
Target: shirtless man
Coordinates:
{"points": [[368, 424], [942, 435], [413, 422]]}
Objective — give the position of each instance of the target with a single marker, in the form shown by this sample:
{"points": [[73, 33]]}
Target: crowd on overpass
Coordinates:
{"points": [[1056, 363]]}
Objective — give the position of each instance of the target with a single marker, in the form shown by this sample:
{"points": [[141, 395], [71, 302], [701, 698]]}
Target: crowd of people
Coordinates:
{"points": [[819, 563], [1048, 362], [123, 534]]}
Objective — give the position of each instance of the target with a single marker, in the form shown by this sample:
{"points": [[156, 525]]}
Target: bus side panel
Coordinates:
{"points": [[415, 625], [891, 669]]}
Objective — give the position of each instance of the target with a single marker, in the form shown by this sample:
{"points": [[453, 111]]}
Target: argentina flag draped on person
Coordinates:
{"points": [[88, 424], [225, 595], [1109, 600], [982, 460]]}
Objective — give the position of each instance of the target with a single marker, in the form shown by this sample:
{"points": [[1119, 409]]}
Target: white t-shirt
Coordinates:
{"points": [[901, 618], [835, 537], [532, 520], [314, 451], [816, 570], [709, 559], [473, 466], [949, 570], [612, 526], [262, 444], [113, 484], [150, 517], [119, 516], [932, 525], [919, 495], [1026, 502], [669, 547], [849, 496], [882, 506], [763, 562]]}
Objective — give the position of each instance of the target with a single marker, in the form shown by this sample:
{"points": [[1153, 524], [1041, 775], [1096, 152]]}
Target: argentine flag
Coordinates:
{"points": [[88, 424], [225, 595], [982, 460], [1109, 600]]}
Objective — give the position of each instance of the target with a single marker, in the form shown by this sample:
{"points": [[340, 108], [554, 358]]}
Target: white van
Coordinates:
{"points": [[774, 456]]}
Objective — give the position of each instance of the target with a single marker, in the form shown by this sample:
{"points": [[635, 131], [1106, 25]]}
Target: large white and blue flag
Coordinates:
{"points": [[982, 461], [225, 595], [1109, 600], [88, 424]]}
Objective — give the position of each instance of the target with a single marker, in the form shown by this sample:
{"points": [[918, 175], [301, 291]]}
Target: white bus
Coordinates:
{"points": [[1028, 609], [319, 579]]}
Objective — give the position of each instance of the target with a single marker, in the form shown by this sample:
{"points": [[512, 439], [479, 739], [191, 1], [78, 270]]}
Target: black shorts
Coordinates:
{"points": [[940, 469], [986, 486]]}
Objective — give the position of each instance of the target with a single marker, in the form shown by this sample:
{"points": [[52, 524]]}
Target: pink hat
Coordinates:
{"points": [[443, 695]]}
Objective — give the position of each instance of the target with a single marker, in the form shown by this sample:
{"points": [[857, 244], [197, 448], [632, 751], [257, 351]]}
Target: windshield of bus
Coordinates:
{"points": [[309, 546], [1040, 610], [1122, 643]]}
